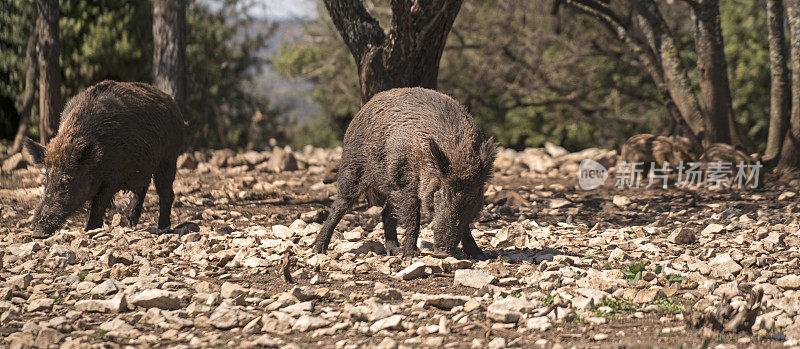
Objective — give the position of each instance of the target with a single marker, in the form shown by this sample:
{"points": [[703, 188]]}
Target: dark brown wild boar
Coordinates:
{"points": [[418, 152], [113, 136]]}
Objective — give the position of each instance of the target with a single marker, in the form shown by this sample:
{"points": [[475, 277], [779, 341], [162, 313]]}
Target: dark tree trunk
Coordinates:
{"points": [[31, 72], [713, 74], [408, 55], [789, 160], [779, 78], [49, 69], [169, 48]]}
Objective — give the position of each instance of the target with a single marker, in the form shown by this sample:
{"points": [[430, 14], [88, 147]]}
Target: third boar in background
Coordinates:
{"points": [[113, 136], [419, 153]]}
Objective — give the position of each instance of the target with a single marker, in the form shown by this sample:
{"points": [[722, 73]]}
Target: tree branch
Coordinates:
{"points": [[358, 28]]}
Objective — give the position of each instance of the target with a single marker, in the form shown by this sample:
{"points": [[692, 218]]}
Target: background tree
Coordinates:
{"points": [[169, 53], [31, 72], [789, 161], [408, 55], [779, 85], [49, 68]]}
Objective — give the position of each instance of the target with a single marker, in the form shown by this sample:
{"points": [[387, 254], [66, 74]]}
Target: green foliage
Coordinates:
{"points": [[634, 272], [744, 30], [618, 305], [673, 279], [548, 299], [667, 305], [112, 39]]}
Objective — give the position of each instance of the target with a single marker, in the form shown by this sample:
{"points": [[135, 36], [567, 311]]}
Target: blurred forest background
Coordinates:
{"points": [[529, 71]]}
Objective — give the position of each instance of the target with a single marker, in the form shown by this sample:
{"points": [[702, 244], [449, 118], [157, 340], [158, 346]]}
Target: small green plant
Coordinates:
{"points": [[547, 299], [659, 269], [606, 267], [82, 275], [634, 272], [579, 319], [673, 279], [516, 294], [667, 305]]}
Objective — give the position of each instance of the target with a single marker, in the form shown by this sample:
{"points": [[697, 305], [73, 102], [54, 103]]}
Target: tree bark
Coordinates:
{"points": [[49, 69], [408, 55], [31, 72], [713, 74], [169, 48], [789, 160], [779, 80]]}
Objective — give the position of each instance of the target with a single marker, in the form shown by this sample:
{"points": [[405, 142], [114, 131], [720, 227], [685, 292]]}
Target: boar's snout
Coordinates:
{"points": [[46, 221]]}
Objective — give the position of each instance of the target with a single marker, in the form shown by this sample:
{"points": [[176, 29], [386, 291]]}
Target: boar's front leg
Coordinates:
{"points": [[470, 246], [390, 230], [163, 180], [98, 207]]}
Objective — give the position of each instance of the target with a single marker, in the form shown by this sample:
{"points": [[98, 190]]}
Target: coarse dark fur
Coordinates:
{"points": [[113, 136], [418, 152]]}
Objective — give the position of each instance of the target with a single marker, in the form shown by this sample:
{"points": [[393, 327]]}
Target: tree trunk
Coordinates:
{"points": [[31, 72], [169, 48], [789, 160], [779, 81], [49, 69], [408, 55], [713, 74], [675, 76]]}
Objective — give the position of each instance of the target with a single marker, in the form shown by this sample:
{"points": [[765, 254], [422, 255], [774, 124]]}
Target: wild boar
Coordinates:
{"points": [[656, 150], [113, 136], [419, 153]]}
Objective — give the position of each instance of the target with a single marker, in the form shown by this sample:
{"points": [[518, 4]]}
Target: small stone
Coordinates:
{"points": [[473, 278], [115, 305], [157, 298], [648, 295], [47, 337], [713, 229], [681, 236], [41, 304], [600, 337], [789, 282], [106, 287], [497, 343], [442, 301], [390, 323], [226, 317], [307, 323], [231, 290], [413, 271], [20, 281], [621, 201]]}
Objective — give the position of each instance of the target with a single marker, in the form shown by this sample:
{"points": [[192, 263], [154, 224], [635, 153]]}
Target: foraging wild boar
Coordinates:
{"points": [[113, 136], [415, 150], [651, 149], [722, 152]]}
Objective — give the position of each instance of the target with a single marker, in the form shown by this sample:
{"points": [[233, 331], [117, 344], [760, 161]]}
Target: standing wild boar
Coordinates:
{"points": [[414, 149], [113, 136]]}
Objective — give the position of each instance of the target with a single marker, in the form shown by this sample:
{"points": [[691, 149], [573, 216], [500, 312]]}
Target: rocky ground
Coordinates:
{"points": [[567, 267]]}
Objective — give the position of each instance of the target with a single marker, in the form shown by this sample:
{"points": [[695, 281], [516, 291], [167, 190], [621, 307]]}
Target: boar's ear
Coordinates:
{"points": [[35, 150], [440, 160], [487, 153]]}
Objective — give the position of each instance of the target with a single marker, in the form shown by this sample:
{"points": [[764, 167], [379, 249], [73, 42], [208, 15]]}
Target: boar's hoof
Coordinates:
{"points": [[410, 253], [319, 249], [392, 249], [186, 228], [40, 235], [475, 254]]}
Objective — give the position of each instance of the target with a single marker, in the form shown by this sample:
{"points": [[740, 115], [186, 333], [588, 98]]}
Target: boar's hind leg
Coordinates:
{"points": [[390, 230], [163, 179], [470, 247], [407, 205], [349, 190], [98, 208], [135, 207]]}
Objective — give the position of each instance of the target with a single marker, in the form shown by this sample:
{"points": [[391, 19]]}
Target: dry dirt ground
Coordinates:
{"points": [[562, 270]]}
